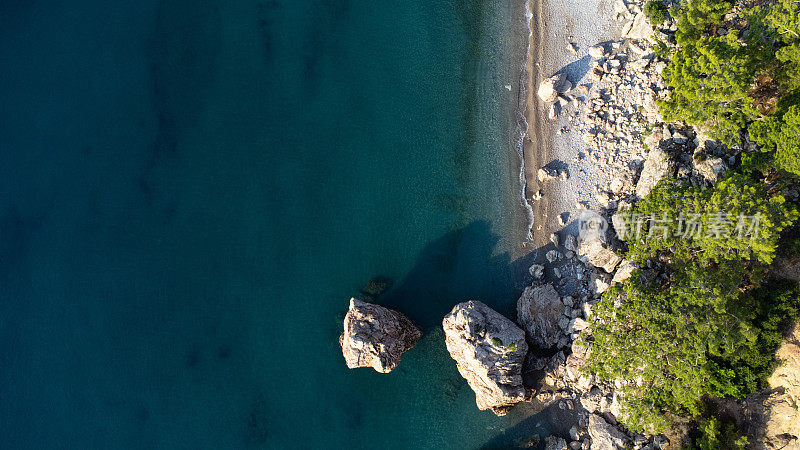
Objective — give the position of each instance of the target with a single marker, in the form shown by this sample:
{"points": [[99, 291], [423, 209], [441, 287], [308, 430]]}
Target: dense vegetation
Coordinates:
{"points": [[702, 318], [715, 70]]}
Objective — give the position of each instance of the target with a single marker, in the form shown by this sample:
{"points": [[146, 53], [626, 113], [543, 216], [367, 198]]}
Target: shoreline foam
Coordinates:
{"points": [[523, 125]]}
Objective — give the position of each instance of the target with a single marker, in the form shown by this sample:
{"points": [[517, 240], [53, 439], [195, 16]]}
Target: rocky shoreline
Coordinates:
{"points": [[625, 150]]}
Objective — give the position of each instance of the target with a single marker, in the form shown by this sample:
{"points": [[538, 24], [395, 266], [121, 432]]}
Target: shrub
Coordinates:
{"points": [[672, 344], [656, 12], [716, 435], [694, 16], [783, 18], [709, 327]]}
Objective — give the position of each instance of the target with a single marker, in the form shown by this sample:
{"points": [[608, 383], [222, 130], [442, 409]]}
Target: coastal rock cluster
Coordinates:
{"points": [[489, 351], [627, 142], [375, 336], [542, 356]]}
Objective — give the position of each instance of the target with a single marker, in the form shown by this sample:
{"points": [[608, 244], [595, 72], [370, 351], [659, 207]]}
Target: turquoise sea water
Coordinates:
{"points": [[190, 192]]}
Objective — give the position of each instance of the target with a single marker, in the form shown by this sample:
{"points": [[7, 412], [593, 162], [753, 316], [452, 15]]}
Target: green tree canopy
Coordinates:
{"points": [[710, 80], [734, 220], [781, 132]]}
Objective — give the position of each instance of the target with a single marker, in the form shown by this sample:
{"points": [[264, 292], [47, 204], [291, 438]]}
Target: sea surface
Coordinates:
{"points": [[191, 191]]}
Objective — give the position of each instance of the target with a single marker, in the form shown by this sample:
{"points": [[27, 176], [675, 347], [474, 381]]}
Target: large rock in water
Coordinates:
{"points": [[375, 336], [489, 350], [657, 166], [539, 309], [605, 436], [551, 87]]}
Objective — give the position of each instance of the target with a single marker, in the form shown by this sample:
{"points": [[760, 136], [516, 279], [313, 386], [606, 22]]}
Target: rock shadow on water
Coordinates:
{"points": [[459, 266], [551, 420], [18, 229], [327, 19]]}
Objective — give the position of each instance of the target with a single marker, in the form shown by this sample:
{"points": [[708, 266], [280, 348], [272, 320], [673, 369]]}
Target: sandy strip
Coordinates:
{"points": [[555, 24]]}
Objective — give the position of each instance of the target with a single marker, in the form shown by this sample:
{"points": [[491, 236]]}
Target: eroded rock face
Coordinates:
{"points": [[375, 336], [598, 255], [624, 271], [710, 167], [539, 309], [657, 166], [605, 436], [489, 350]]}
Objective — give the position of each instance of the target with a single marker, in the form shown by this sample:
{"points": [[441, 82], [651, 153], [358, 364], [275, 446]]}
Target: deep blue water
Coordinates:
{"points": [[190, 192]]}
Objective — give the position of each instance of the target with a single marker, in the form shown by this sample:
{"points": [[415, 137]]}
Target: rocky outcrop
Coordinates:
{"points": [[536, 271], [375, 336], [551, 87], [604, 436], [640, 28], [776, 411], [489, 350], [657, 166], [597, 51], [624, 271], [555, 443], [546, 174], [709, 167], [539, 310], [598, 255]]}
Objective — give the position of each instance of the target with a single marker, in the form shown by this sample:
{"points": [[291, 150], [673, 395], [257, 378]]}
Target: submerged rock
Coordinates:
{"points": [[489, 350], [538, 311], [375, 336], [376, 287]]}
